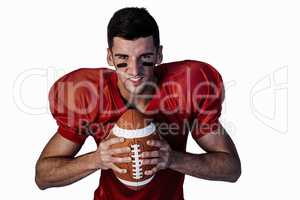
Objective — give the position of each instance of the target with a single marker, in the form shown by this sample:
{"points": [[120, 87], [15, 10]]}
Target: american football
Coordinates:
{"points": [[136, 129]]}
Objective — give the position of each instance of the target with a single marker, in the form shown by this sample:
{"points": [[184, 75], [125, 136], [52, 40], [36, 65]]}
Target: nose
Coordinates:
{"points": [[133, 69]]}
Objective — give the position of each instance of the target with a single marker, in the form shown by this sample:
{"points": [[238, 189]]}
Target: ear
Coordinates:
{"points": [[109, 57], [159, 57]]}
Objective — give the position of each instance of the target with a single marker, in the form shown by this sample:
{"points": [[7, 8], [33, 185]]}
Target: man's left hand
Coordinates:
{"points": [[160, 158]]}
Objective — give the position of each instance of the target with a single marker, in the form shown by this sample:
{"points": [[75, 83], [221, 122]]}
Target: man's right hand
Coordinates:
{"points": [[106, 156], [57, 165]]}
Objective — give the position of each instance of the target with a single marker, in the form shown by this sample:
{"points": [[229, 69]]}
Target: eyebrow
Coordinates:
{"points": [[147, 54], [120, 54], [144, 54]]}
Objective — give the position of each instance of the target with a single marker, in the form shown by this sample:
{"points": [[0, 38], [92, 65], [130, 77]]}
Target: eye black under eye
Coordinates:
{"points": [[121, 65], [148, 64]]}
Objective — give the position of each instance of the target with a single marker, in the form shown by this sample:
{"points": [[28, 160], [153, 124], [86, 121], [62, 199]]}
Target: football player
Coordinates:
{"points": [[183, 97]]}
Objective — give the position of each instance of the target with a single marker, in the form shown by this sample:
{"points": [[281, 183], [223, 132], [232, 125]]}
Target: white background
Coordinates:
{"points": [[253, 44]]}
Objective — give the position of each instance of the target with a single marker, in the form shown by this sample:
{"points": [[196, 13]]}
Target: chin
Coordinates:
{"points": [[136, 90]]}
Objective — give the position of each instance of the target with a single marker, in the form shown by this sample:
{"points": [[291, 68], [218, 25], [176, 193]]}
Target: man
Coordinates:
{"points": [[181, 97]]}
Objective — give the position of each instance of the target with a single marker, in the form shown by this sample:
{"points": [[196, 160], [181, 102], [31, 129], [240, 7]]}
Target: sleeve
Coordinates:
{"points": [[73, 104], [206, 99]]}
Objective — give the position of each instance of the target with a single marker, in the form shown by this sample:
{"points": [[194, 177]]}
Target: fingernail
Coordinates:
{"points": [[122, 139], [148, 142], [124, 171]]}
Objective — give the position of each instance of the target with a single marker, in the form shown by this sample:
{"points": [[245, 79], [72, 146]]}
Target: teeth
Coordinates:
{"points": [[135, 79]]}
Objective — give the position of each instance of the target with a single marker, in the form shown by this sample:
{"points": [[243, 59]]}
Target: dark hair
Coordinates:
{"points": [[132, 23]]}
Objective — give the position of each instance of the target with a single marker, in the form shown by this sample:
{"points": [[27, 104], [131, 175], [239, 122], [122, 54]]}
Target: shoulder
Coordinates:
{"points": [[79, 86], [92, 75], [83, 79], [188, 70]]}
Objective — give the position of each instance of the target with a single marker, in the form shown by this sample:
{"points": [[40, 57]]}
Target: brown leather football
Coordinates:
{"points": [[136, 129]]}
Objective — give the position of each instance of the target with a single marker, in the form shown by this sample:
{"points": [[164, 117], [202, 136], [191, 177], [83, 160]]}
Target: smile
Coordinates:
{"points": [[136, 80]]}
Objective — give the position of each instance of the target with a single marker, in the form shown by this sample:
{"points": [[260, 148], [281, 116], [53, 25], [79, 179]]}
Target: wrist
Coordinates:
{"points": [[94, 160], [173, 159]]}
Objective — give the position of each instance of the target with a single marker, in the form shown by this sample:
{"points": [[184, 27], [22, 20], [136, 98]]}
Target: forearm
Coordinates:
{"points": [[61, 171], [211, 166]]}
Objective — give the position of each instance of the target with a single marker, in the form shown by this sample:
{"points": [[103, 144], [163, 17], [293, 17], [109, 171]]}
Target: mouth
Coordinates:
{"points": [[136, 80]]}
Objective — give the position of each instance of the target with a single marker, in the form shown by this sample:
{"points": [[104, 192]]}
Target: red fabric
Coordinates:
{"points": [[189, 98]]}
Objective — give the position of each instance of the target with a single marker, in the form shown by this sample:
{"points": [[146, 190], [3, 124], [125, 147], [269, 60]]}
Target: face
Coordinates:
{"points": [[134, 61]]}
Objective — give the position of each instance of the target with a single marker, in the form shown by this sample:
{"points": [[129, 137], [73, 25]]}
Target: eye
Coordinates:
{"points": [[147, 56], [122, 57]]}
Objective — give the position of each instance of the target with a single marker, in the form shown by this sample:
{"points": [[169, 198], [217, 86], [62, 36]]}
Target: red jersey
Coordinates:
{"points": [[188, 98]]}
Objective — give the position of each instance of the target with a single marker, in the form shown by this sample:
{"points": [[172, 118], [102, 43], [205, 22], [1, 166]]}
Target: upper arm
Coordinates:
{"points": [[218, 141], [73, 101], [58, 146]]}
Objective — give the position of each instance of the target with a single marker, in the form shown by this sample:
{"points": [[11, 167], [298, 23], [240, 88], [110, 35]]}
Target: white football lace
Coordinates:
{"points": [[136, 162]]}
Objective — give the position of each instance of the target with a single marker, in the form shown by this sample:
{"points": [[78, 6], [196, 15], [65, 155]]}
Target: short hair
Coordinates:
{"points": [[132, 23]]}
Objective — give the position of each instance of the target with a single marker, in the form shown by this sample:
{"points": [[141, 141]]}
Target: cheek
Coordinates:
{"points": [[122, 74], [122, 79]]}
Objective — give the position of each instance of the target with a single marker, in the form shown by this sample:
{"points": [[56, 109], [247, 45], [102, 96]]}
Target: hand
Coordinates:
{"points": [[105, 155], [160, 158]]}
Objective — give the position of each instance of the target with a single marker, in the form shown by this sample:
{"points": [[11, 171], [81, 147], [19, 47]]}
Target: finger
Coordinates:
{"points": [[150, 154], [114, 151], [153, 161], [151, 172], [162, 165], [106, 144], [155, 143], [163, 145], [117, 169], [120, 160], [106, 158]]}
